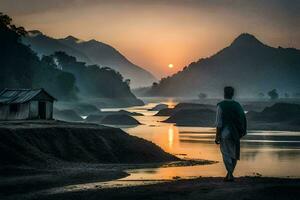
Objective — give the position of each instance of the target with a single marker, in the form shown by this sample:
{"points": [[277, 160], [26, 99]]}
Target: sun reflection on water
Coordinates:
{"points": [[171, 136]]}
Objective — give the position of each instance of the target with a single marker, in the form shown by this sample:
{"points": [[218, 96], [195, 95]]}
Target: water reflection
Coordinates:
{"points": [[270, 153], [171, 136]]}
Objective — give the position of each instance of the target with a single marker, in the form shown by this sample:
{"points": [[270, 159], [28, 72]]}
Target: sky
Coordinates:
{"points": [[156, 33]]}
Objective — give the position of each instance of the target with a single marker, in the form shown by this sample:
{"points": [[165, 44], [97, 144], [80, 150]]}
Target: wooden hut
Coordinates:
{"points": [[23, 104]]}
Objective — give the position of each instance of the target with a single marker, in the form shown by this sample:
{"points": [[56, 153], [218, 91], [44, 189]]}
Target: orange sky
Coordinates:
{"points": [[154, 33]]}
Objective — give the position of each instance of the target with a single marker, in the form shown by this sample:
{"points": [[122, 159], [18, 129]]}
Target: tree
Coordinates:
{"points": [[202, 96], [154, 85], [20, 67], [261, 95], [273, 94], [5, 22], [127, 81]]}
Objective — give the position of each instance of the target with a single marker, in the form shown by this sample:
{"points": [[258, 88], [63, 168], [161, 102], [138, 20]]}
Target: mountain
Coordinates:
{"points": [[247, 64], [60, 74], [91, 52], [21, 68], [45, 45]]}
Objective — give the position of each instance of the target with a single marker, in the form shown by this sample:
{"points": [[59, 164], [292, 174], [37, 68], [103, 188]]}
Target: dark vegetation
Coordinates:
{"points": [[21, 68], [60, 74], [273, 94], [202, 96], [92, 80], [91, 52]]}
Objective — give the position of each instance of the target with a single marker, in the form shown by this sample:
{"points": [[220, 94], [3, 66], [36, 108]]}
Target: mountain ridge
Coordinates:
{"points": [[91, 52], [247, 64]]}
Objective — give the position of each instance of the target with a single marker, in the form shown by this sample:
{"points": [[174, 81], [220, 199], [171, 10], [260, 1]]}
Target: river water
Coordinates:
{"points": [[266, 153]]}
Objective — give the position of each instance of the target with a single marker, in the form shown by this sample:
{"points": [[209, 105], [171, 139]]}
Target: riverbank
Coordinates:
{"points": [[40, 155], [201, 188]]}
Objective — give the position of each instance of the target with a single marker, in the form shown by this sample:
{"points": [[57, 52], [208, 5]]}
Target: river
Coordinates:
{"points": [[263, 153]]}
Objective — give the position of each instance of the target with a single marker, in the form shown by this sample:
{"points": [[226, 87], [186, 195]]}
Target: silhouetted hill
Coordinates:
{"points": [[20, 67], [96, 82], [91, 52], [60, 74], [247, 64], [45, 45]]}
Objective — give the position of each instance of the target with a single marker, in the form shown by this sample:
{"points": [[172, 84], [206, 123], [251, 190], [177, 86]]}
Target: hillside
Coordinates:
{"points": [[96, 82], [45, 45], [247, 64], [91, 52], [21, 68], [60, 74]]}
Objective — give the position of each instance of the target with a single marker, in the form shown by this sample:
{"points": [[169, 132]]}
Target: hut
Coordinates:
{"points": [[23, 104]]}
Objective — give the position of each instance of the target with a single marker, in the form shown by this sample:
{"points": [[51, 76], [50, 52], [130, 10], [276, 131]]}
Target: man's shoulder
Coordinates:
{"points": [[221, 102], [228, 103]]}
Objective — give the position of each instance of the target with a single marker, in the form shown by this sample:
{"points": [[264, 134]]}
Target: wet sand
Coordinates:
{"points": [[200, 188], [29, 183]]}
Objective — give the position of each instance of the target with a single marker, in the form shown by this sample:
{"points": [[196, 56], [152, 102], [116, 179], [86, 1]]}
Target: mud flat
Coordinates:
{"points": [[260, 188]]}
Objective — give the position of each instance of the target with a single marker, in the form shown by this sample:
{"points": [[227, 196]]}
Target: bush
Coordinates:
{"points": [[202, 96], [273, 94]]}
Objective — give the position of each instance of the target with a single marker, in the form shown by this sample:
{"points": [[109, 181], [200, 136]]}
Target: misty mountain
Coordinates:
{"points": [[247, 64], [45, 45], [60, 74], [91, 52]]}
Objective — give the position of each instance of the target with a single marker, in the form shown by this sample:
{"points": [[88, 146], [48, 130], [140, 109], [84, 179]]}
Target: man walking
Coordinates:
{"points": [[231, 125]]}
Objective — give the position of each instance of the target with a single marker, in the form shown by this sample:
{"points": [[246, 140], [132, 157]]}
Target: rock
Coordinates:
{"points": [[181, 106], [194, 106], [193, 117], [279, 112], [165, 112], [130, 113], [159, 107]]}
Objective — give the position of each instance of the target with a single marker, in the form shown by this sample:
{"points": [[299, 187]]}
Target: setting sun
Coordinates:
{"points": [[170, 65]]}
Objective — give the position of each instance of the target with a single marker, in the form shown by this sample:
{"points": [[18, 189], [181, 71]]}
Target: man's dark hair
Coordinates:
{"points": [[228, 92]]}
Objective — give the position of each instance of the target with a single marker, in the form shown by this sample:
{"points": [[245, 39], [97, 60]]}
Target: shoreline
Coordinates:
{"points": [[198, 188], [31, 181]]}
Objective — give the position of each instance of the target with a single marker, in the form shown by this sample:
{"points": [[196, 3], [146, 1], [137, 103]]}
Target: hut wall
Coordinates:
{"points": [[22, 113], [4, 112], [34, 110]]}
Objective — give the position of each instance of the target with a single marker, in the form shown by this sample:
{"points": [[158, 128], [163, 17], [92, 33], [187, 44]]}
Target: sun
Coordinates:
{"points": [[170, 65]]}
